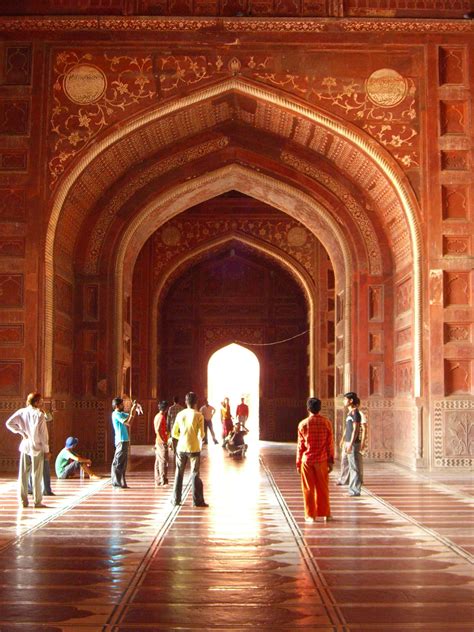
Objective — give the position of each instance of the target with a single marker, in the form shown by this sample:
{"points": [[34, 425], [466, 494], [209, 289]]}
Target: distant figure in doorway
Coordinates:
{"points": [[121, 422], [235, 442], [161, 446], [207, 411], [314, 461], [30, 423], [173, 410], [68, 462], [226, 419], [188, 429], [352, 442], [344, 473], [242, 412]]}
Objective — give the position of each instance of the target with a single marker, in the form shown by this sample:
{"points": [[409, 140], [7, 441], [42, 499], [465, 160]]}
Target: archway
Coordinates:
{"points": [[234, 372], [355, 142]]}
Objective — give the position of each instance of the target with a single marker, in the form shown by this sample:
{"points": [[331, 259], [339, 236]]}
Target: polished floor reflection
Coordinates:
{"points": [[398, 558]]}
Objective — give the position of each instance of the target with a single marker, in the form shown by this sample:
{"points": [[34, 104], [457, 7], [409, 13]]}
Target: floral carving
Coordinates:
{"points": [[196, 232], [460, 434], [74, 126], [394, 127]]}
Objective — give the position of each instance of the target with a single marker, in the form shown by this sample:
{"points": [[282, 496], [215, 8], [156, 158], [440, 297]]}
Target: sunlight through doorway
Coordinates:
{"points": [[234, 372]]}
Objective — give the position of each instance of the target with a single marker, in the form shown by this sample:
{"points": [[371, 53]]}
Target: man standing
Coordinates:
{"points": [[30, 423], [188, 429], [173, 410], [207, 411], [314, 461], [161, 446], [352, 442], [242, 412], [344, 473], [121, 422]]}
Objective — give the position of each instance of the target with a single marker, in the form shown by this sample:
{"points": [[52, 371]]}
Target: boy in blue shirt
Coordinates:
{"points": [[121, 422]]}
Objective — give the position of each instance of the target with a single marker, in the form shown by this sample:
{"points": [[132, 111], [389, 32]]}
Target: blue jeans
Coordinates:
{"points": [[355, 478]]}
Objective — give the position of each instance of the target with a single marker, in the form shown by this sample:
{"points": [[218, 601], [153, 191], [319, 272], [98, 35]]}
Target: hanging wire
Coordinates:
{"points": [[269, 344]]}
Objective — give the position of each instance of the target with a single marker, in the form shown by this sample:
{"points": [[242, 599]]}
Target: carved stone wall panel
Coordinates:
{"points": [[376, 342], [62, 375], [457, 288], [403, 297], [452, 64], [404, 378], [381, 432], [403, 337], [376, 379], [90, 302], [63, 296], [13, 160], [457, 332], [455, 202], [11, 334], [12, 204], [376, 303], [17, 65], [458, 377], [12, 247], [11, 290], [453, 437], [453, 117], [14, 117], [455, 160], [456, 245], [11, 378]]}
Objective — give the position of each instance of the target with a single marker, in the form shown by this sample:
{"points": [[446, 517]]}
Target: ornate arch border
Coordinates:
{"points": [[293, 268], [228, 178], [358, 138]]}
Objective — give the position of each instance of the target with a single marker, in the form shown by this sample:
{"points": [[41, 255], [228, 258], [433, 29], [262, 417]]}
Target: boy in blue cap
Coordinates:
{"points": [[68, 462]]}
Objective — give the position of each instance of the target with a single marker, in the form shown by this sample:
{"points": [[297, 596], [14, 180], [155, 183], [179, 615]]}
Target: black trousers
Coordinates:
{"points": [[198, 488]]}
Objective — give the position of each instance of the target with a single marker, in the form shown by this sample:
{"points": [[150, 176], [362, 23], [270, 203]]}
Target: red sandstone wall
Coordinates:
{"points": [[430, 136]]}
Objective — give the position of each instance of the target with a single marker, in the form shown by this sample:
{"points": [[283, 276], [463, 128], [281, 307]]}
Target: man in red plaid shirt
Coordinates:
{"points": [[314, 461]]}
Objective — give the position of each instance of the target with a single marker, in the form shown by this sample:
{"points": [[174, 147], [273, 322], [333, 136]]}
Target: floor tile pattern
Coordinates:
{"points": [[398, 558]]}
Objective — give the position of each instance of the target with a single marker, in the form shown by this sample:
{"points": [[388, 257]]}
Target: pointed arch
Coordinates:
{"points": [[359, 140]]}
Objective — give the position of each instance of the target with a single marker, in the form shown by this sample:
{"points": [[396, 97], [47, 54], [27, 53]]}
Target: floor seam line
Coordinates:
{"points": [[314, 570]]}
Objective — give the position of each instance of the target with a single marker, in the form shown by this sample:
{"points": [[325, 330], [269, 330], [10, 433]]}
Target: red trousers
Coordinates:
{"points": [[315, 487]]}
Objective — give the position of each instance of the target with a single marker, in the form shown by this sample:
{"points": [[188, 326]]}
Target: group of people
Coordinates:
{"points": [[34, 474], [180, 429], [185, 430], [315, 455]]}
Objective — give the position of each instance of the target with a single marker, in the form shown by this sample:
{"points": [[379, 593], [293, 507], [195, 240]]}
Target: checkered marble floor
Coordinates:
{"points": [[398, 558]]}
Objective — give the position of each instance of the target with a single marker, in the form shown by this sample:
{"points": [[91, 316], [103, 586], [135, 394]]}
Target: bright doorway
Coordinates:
{"points": [[234, 372]]}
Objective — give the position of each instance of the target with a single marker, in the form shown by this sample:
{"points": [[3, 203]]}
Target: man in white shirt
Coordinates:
{"points": [[30, 423], [207, 411]]}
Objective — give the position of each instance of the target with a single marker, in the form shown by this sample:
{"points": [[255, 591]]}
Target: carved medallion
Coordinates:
{"points": [[171, 236], [386, 87], [296, 236], [85, 84]]}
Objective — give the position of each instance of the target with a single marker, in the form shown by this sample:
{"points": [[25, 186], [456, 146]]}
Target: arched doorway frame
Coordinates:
{"points": [[387, 166], [300, 276]]}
